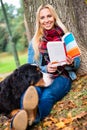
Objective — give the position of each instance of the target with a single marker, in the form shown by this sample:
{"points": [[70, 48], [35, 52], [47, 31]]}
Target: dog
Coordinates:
{"points": [[14, 85]]}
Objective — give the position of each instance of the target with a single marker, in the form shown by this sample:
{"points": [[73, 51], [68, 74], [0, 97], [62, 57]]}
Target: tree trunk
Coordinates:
{"points": [[70, 18], [72, 15]]}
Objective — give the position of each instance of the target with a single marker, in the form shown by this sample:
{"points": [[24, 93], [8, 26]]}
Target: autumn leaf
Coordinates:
{"points": [[49, 121], [86, 1], [80, 115], [60, 124]]}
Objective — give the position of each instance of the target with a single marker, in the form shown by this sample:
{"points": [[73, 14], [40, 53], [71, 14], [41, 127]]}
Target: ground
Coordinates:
{"points": [[68, 114]]}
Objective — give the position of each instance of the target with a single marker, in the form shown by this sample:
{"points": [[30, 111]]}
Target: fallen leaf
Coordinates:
{"points": [[60, 125]]}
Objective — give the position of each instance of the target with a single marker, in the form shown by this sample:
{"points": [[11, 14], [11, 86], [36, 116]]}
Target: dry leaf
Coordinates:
{"points": [[80, 115], [60, 125], [47, 124]]}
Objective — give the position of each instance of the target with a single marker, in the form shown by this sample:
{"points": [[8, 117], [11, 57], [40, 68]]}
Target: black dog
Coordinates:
{"points": [[13, 86]]}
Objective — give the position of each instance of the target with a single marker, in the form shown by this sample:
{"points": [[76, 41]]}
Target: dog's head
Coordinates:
{"points": [[31, 75]]}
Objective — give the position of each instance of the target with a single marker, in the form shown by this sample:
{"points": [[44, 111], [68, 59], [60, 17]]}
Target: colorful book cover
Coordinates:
{"points": [[72, 48]]}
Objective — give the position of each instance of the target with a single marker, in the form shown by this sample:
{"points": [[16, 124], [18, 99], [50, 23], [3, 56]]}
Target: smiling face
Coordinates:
{"points": [[46, 19]]}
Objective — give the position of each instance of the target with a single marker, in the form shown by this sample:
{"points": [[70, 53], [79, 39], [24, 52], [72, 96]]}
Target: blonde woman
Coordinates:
{"points": [[48, 28]]}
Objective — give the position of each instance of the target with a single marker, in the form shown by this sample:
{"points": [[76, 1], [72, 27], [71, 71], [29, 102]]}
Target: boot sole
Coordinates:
{"points": [[20, 121], [30, 100]]}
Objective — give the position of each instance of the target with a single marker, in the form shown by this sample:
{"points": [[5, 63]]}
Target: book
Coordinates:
{"points": [[58, 50], [57, 53], [72, 48]]}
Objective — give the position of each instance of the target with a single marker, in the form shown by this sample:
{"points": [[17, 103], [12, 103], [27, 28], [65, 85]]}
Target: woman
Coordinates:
{"points": [[48, 28]]}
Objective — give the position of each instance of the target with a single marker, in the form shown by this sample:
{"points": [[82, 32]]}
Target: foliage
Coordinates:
{"points": [[16, 21], [86, 1], [9, 11]]}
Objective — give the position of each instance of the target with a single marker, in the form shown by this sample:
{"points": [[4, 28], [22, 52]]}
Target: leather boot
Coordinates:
{"points": [[30, 102], [20, 121]]}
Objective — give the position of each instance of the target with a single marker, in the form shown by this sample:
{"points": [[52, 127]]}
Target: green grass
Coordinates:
{"points": [[7, 63]]}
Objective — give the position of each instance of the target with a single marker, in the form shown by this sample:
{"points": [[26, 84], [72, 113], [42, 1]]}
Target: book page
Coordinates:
{"points": [[56, 53]]}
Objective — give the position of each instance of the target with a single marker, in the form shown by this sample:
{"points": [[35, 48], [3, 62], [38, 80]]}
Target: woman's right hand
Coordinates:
{"points": [[51, 68]]}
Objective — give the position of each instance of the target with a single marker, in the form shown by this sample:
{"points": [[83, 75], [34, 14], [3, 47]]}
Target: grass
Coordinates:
{"points": [[7, 63]]}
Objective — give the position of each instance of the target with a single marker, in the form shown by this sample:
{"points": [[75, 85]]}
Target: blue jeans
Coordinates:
{"points": [[50, 95]]}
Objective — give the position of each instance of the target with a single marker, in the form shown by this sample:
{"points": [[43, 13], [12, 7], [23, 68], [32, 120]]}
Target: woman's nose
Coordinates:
{"points": [[46, 19]]}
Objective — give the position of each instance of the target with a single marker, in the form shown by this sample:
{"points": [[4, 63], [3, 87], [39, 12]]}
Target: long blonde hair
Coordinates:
{"points": [[39, 32]]}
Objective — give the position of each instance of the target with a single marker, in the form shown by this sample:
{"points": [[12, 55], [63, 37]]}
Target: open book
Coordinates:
{"points": [[58, 51]]}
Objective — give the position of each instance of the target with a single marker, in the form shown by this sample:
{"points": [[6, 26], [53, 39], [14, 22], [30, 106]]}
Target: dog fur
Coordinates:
{"points": [[13, 86]]}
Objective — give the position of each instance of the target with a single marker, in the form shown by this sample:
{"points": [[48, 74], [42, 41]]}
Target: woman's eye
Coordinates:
{"points": [[49, 16], [42, 17]]}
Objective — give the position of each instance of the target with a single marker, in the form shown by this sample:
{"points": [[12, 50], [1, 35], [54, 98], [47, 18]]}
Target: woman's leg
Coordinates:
{"points": [[29, 103], [27, 113], [47, 97], [50, 95]]}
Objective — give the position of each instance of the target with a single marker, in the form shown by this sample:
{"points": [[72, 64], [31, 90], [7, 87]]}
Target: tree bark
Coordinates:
{"points": [[67, 10], [72, 15]]}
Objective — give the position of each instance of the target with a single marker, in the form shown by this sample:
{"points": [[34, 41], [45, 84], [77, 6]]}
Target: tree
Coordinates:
{"points": [[4, 37], [70, 14], [10, 35]]}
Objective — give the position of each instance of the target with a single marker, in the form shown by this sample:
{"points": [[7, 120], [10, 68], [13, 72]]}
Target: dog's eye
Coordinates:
{"points": [[38, 69]]}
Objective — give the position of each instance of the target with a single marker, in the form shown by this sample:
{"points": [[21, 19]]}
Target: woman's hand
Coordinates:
{"points": [[69, 60], [51, 68]]}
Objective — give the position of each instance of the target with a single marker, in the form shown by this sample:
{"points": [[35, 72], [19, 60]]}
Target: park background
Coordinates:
{"points": [[16, 30]]}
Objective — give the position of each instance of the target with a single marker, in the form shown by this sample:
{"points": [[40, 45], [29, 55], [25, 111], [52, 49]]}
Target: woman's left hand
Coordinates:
{"points": [[69, 60], [50, 68]]}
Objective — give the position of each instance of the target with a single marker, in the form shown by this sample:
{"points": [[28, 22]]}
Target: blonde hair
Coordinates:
{"points": [[39, 32]]}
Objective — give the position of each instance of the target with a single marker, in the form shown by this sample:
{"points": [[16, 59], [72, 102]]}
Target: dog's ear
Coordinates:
{"points": [[16, 73], [28, 79]]}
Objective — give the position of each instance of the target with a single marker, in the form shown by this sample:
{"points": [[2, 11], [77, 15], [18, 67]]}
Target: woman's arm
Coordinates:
{"points": [[31, 59], [30, 53]]}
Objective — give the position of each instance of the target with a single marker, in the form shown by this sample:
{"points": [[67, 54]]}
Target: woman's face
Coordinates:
{"points": [[46, 19]]}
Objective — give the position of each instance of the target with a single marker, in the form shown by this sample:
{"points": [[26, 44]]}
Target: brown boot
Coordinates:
{"points": [[20, 121], [30, 102]]}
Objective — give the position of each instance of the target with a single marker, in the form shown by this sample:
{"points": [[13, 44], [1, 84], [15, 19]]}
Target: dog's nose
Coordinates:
{"points": [[47, 79]]}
